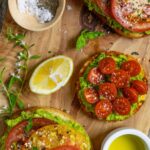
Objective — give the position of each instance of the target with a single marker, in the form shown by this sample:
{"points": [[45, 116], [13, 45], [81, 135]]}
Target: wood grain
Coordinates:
{"points": [[61, 40]]}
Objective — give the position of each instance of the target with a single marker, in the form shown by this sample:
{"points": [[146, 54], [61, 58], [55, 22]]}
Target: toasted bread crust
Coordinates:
{"points": [[82, 70]]}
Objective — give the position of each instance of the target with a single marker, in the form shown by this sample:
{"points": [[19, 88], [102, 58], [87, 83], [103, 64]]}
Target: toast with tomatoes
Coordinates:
{"points": [[128, 18], [112, 86], [44, 128]]}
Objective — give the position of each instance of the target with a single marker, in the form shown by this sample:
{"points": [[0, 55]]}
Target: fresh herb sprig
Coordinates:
{"points": [[17, 78], [29, 125], [85, 36]]}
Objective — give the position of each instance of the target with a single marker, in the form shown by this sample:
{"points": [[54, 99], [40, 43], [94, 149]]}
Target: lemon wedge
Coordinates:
{"points": [[51, 75]]}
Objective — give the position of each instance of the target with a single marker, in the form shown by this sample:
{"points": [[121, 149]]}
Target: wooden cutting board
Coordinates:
{"points": [[61, 40]]}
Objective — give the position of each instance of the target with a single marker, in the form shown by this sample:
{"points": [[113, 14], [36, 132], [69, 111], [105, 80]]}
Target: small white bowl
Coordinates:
{"points": [[30, 22], [124, 131]]}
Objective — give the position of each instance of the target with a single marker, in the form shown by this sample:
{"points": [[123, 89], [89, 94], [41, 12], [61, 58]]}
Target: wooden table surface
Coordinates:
{"points": [[61, 40]]}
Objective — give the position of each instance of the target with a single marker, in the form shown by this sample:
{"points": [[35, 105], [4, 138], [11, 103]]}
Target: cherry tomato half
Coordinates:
{"points": [[103, 108], [107, 65], [140, 86], [91, 95], [108, 90], [94, 76], [120, 78], [132, 66], [131, 94], [122, 106]]}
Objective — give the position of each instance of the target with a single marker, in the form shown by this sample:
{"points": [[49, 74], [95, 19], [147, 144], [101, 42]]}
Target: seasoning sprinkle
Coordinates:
{"points": [[43, 10]]}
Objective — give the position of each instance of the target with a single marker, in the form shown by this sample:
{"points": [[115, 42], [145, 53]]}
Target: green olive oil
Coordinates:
{"points": [[127, 142]]}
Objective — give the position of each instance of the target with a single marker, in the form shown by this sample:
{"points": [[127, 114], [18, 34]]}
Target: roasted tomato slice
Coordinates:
{"points": [[108, 90], [94, 76], [131, 94], [91, 95], [103, 108], [131, 66], [65, 147], [107, 65], [104, 6], [17, 133], [52, 136], [140, 86], [122, 106], [132, 14], [120, 78]]}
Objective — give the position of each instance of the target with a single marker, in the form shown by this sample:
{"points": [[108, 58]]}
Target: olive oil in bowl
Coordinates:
{"points": [[127, 142]]}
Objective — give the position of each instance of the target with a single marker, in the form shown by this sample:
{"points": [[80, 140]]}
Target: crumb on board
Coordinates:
{"points": [[69, 7], [65, 32]]}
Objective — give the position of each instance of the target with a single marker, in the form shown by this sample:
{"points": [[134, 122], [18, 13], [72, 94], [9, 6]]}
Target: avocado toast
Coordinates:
{"points": [[44, 128], [98, 92], [109, 19]]}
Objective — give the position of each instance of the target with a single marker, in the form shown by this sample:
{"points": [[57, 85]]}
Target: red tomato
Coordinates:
{"points": [[140, 86], [107, 65], [103, 108], [120, 78], [122, 106], [131, 66], [94, 76], [17, 132], [133, 15], [108, 90], [91, 95], [66, 147], [104, 6], [131, 94]]}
